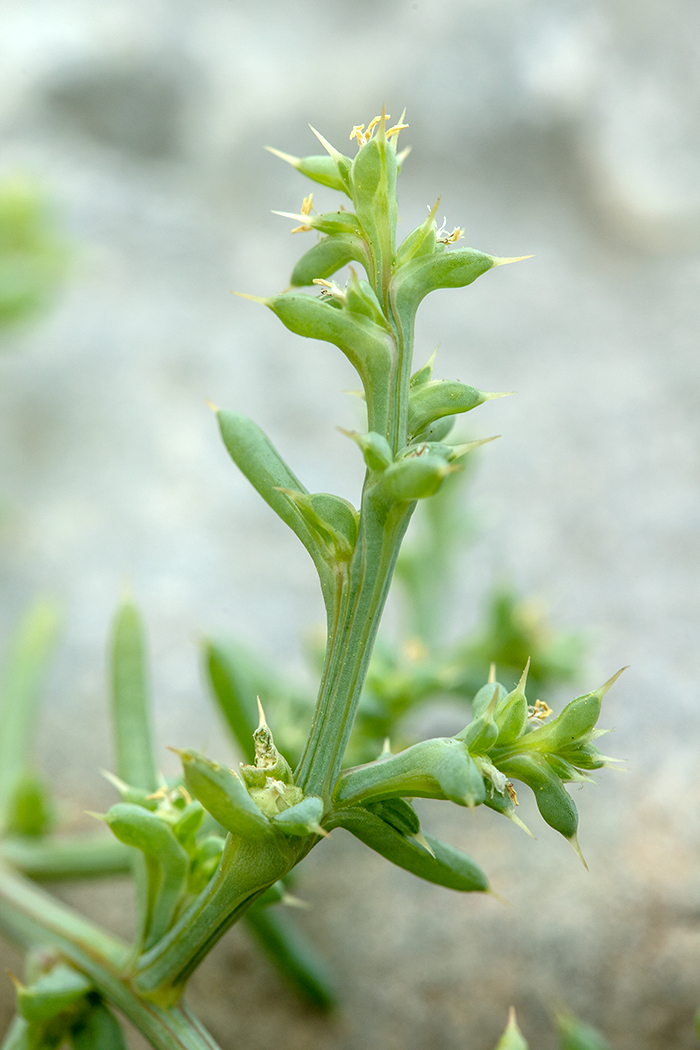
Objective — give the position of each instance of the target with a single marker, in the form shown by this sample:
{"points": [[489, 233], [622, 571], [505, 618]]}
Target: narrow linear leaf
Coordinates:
{"points": [[130, 701], [259, 460], [25, 668], [233, 687]]}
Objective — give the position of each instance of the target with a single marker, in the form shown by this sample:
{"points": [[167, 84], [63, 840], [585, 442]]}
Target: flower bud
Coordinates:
{"points": [[137, 796], [269, 763], [331, 222], [565, 770], [459, 778], [586, 756]]}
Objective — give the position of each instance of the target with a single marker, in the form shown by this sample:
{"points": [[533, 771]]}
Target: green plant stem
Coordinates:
{"points": [[246, 870], [350, 646], [29, 917], [67, 856]]}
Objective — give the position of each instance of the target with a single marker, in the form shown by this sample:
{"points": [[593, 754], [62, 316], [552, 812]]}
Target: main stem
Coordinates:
{"points": [[350, 647]]}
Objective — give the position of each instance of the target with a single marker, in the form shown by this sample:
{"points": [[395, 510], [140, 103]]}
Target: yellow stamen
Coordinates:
{"points": [[450, 238], [395, 130], [358, 132], [540, 712], [306, 206], [511, 791]]}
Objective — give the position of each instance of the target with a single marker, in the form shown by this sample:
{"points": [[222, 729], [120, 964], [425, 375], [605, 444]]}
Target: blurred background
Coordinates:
{"points": [[566, 129]]}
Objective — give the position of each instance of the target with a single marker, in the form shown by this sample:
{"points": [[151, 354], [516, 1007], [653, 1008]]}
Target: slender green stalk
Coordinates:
{"points": [[350, 647]]}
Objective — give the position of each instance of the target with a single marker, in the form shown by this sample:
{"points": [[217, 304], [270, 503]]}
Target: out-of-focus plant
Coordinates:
{"points": [[214, 845], [33, 252], [574, 1034]]}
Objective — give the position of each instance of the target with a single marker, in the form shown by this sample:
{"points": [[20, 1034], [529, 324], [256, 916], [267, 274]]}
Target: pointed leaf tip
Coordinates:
{"points": [[283, 156], [610, 682], [215, 408], [577, 850], [497, 897], [523, 677], [253, 298], [498, 261], [331, 150], [262, 721]]}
